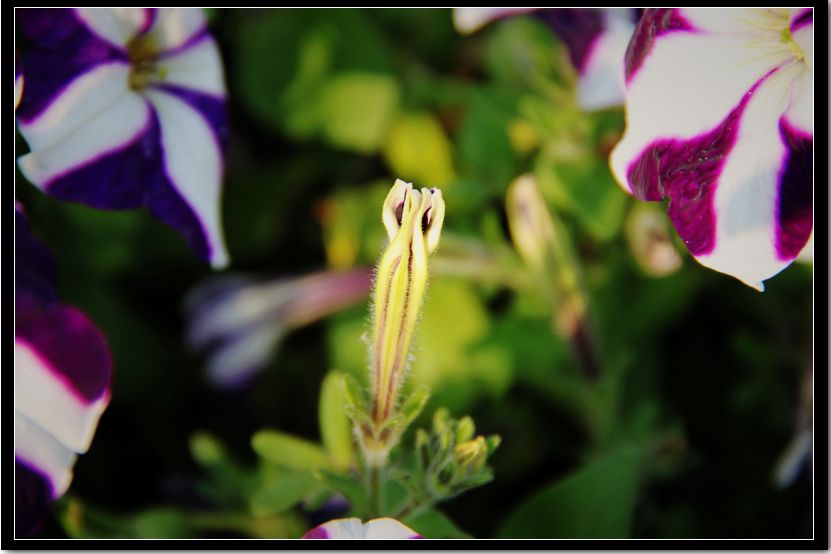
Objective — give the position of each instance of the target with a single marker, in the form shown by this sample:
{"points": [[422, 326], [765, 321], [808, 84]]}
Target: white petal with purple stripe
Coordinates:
{"points": [[115, 25], [352, 528], [705, 128], [135, 115], [193, 163], [44, 396], [601, 79], [43, 453]]}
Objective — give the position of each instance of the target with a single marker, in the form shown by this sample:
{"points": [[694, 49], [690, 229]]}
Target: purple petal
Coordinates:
{"points": [[139, 172], [31, 499], [61, 49], [795, 219], [318, 532], [803, 18], [34, 272], [687, 172], [213, 109], [67, 340], [578, 28], [653, 23]]}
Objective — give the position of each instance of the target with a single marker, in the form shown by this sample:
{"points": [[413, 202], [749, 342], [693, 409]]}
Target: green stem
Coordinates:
{"points": [[413, 508], [375, 490]]}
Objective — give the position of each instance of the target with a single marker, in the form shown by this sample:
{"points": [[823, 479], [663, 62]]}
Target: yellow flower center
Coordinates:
{"points": [[144, 55]]}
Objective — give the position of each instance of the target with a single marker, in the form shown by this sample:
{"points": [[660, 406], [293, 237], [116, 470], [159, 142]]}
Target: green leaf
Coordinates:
{"points": [[433, 524], [450, 358], [335, 427], [418, 150], [288, 451], [596, 501], [483, 144], [206, 449], [524, 52], [161, 523], [282, 492], [347, 486], [284, 59], [357, 108], [587, 189]]}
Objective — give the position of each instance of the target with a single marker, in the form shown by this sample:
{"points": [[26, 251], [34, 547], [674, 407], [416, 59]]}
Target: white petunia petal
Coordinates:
{"points": [[193, 162], [42, 396], [733, 20], [745, 200], [173, 27], [86, 96], [601, 82], [800, 112], [115, 25], [705, 130], [669, 98], [110, 130], [243, 355], [43, 452], [388, 528], [198, 67], [352, 528]]}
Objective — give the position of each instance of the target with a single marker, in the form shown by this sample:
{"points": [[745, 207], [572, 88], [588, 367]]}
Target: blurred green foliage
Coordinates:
{"points": [[678, 435]]}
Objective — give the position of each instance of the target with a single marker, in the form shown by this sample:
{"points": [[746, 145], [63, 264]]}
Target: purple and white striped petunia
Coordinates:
{"points": [[241, 322], [353, 528], [62, 374], [126, 108], [596, 40], [719, 111]]}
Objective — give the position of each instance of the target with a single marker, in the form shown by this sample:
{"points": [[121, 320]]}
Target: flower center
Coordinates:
{"points": [[144, 57], [787, 39]]}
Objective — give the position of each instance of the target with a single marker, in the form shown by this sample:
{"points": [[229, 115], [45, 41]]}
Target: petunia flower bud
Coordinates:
{"points": [[413, 220]]}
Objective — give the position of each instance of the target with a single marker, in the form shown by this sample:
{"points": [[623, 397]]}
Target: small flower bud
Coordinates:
{"points": [[413, 220]]}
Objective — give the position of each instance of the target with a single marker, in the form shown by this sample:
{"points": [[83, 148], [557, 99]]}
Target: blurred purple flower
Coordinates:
{"points": [[352, 528], [125, 108], [241, 322], [596, 40], [719, 111], [62, 374]]}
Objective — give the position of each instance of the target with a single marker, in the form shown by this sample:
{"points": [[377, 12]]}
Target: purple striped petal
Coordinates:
{"points": [[97, 141], [212, 108], [40, 452], [578, 28], [384, 528], [709, 128], [62, 371], [62, 374], [192, 161], [176, 28], [62, 365], [795, 217], [596, 40], [62, 49], [241, 322], [139, 168], [117, 26], [802, 18], [196, 67], [652, 24]]}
